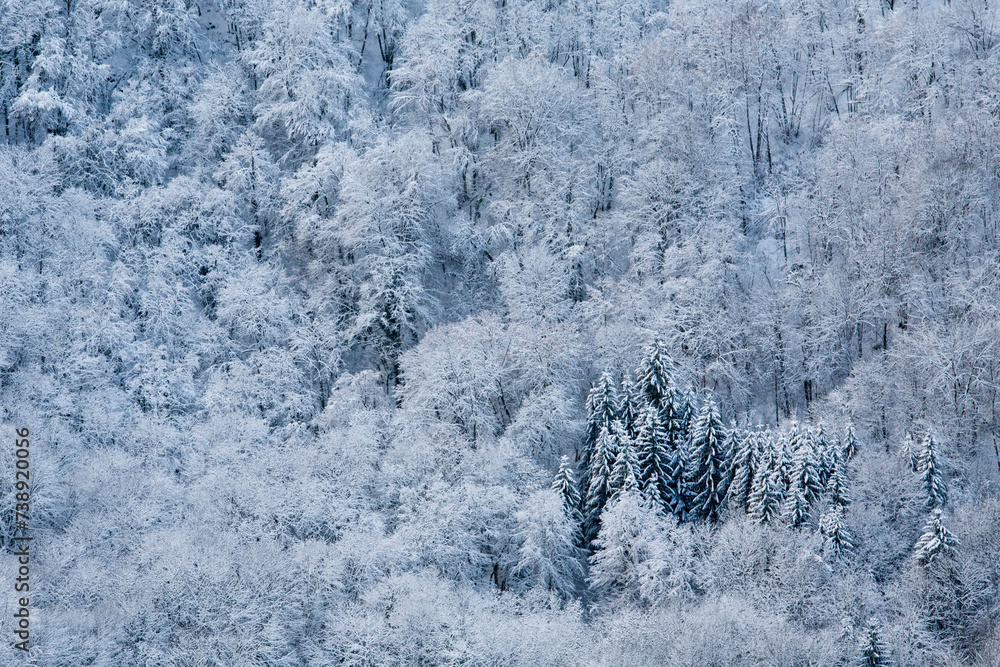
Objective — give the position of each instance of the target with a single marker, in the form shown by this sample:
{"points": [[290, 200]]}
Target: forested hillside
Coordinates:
{"points": [[502, 332]]}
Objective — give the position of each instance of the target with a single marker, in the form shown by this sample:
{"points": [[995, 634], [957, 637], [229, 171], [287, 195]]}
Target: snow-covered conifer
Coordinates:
{"points": [[744, 466], [935, 489], [651, 457], [873, 651], [709, 463], [602, 409], [599, 487], [836, 486], [804, 473], [768, 490], [565, 485], [849, 448], [836, 535], [796, 507], [625, 471], [629, 407], [654, 377], [936, 540]]}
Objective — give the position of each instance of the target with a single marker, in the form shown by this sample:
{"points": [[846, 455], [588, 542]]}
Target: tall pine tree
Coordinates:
{"points": [[933, 478], [652, 459], [849, 448], [745, 461], [768, 486], [654, 378], [835, 534], [602, 409], [873, 653], [936, 540], [804, 482], [629, 408], [625, 471], [709, 463], [836, 487], [767, 496], [565, 485], [602, 461]]}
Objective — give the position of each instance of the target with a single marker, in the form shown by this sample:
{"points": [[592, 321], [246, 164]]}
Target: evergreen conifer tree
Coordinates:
{"points": [[835, 533], [909, 453], [599, 488], [602, 409], [651, 456], [745, 462], [935, 540], [768, 488], [654, 379], [873, 653], [804, 473], [767, 496], [730, 444], [709, 464], [624, 472], [796, 507], [688, 412], [676, 480], [629, 408], [565, 485], [933, 478], [836, 487], [673, 423], [825, 453], [849, 448]]}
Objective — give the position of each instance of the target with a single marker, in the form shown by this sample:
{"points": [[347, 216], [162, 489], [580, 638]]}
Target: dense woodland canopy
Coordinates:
{"points": [[523, 332]]}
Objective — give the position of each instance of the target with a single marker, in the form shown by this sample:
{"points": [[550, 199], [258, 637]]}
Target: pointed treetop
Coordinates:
{"points": [[935, 541], [932, 475], [624, 473], [909, 453], [835, 534], [709, 462], [873, 652], [849, 448], [565, 484], [629, 406], [654, 376]]}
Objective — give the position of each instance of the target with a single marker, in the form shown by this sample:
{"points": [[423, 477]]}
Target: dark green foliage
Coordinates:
{"points": [[709, 464]]}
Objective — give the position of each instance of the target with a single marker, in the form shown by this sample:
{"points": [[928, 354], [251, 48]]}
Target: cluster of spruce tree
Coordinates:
{"points": [[672, 447]]}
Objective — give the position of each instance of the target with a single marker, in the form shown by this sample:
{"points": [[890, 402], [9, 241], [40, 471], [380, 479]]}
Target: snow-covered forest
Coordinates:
{"points": [[503, 332]]}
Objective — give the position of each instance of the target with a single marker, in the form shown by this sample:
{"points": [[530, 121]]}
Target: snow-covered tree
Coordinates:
{"points": [[629, 407], [565, 485], [804, 483], [625, 471], [642, 556], [836, 487], [873, 651], [654, 379], [935, 541], [709, 464], [652, 459], [602, 409], [849, 447], [599, 479], [932, 476], [745, 461], [767, 496], [548, 556], [836, 536]]}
